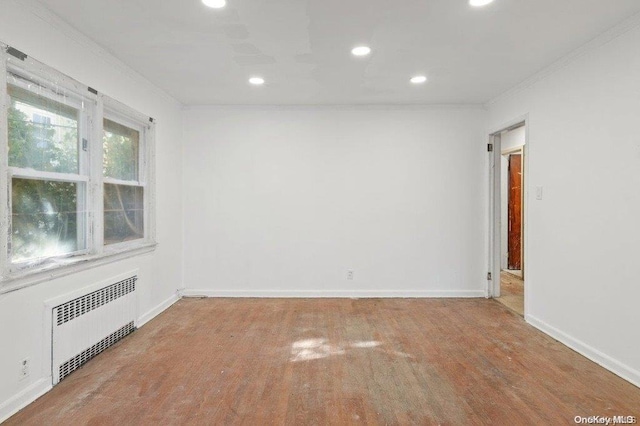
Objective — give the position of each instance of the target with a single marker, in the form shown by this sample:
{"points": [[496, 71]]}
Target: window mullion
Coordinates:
{"points": [[122, 182], [84, 167], [21, 173], [97, 184], [4, 169]]}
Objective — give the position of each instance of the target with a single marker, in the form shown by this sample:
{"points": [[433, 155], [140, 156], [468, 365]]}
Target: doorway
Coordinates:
{"points": [[511, 219], [508, 218]]}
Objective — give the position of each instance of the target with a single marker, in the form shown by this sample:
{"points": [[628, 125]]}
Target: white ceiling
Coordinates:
{"points": [[302, 47]]}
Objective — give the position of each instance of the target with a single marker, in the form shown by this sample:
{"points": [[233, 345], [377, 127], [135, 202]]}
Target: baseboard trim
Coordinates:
{"points": [[154, 312], [616, 367], [429, 294], [24, 398]]}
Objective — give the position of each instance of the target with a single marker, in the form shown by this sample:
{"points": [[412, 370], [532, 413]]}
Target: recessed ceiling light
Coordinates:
{"points": [[216, 4], [361, 51], [478, 3], [419, 79], [256, 81]]}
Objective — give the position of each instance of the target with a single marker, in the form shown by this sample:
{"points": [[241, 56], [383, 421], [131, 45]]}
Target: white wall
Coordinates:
{"points": [[21, 312], [284, 201], [584, 150]]}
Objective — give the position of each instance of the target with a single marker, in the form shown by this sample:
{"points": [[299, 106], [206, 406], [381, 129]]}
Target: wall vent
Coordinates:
{"points": [[89, 324], [79, 360], [91, 301]]}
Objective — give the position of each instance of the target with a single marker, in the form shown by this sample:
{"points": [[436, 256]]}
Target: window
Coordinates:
{"points": [[77, 181], [48, 192], [123, 192]]}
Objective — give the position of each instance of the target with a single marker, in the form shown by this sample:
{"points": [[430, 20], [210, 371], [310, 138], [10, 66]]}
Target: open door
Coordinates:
{"points": [[515, 212]]}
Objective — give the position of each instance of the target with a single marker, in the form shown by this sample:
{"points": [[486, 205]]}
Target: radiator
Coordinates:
{"points": [[87, 325]]}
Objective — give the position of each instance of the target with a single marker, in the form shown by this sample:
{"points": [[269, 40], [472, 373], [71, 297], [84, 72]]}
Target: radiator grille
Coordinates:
{"points": [[79, 360], [91, 301]]}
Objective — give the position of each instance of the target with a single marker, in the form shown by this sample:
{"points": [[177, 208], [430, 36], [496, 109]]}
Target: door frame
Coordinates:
{"points": [[495, 198]]}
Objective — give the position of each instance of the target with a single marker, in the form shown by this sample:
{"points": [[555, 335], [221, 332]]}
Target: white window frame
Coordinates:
{"points": [[120, 113], [93, 107], [81, 104]]}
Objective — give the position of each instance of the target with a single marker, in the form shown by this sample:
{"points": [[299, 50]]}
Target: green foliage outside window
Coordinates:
{"points": [[44, 219], [44, 214], [47, 147], [120, 145]]}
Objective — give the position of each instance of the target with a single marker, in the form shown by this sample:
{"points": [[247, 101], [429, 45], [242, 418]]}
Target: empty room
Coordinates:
{"points": [[319, 212]]}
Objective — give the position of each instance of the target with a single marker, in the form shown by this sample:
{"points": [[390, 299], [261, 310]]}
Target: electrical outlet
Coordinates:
{"points": [[25, 368], [350, 275]]}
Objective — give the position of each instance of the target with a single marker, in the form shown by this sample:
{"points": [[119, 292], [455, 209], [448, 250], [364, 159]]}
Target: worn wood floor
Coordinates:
{"points": [[512, 292], [307, 362]]}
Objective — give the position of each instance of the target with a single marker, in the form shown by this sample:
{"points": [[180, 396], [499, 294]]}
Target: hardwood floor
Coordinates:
{"points": [[330, 361], [512, 292]]}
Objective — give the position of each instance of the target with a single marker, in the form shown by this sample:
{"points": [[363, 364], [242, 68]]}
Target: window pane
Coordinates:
{"points": [[120, 151], [43, 134], [123, 213], [46, 220]]}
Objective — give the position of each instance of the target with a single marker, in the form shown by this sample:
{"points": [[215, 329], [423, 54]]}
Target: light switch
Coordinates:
{"points": [[538, 193]]}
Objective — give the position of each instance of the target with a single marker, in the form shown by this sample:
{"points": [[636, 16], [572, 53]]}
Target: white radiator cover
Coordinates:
{"points": [[84, 326]]}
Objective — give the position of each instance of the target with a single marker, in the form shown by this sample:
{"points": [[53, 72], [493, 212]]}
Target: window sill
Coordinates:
{"points": [[27, 278]]}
